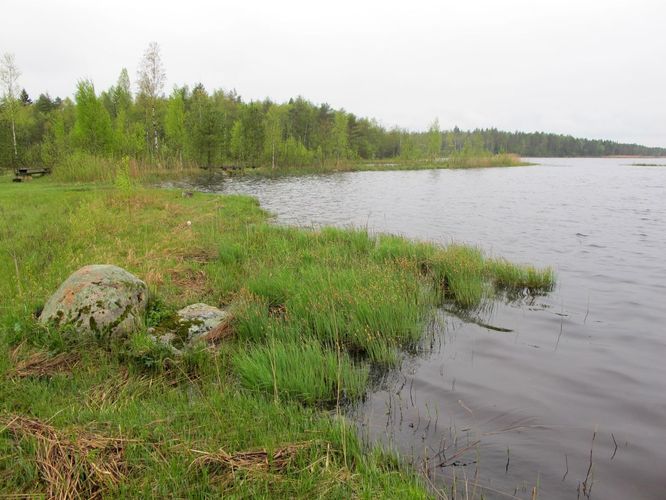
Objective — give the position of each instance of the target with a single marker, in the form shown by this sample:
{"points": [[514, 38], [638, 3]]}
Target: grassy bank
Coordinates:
{"points": [[81, 167], [453, 162], [259, 414]]}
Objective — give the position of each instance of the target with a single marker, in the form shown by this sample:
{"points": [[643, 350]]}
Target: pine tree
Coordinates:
{"points": [[25, 98]]}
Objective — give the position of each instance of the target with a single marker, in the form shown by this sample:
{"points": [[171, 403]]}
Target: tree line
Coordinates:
{"points": [[195, 126], [543, 145]]}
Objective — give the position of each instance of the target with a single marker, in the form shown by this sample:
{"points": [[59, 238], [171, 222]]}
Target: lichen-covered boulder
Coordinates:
{"points": [[99, 299], [200, 319]]}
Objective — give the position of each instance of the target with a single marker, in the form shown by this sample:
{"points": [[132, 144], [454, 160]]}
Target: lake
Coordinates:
{"points": [[565, 393]]}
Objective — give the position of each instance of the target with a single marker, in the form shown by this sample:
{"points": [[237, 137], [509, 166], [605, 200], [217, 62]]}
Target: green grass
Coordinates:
{"points": [[313, 311], [82, 167], [461, 161], [304, 371]]}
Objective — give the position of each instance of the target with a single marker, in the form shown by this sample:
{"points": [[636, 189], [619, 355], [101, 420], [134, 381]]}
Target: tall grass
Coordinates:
{"points": [[85, 168], [509, 276], [455, 161], [304, 371], [82, 167], [478, 160]]}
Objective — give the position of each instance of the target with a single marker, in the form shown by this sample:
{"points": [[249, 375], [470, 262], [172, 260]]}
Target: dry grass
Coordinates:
{"points": [[192, 282], [114, 392], [83, 467], [250, 461], [199, 255], [220, 332], [40, 363]]}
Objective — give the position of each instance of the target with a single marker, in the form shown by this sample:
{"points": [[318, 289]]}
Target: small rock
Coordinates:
{"points": [[167, 338], [98, 299], [200, 319]]}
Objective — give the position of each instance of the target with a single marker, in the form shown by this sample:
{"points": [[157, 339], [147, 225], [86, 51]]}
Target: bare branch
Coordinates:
{"points": [[151, 76]]}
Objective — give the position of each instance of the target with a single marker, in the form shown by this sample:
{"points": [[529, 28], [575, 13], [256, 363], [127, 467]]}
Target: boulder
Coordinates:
{"points": [[200, 319], [99, 299]]}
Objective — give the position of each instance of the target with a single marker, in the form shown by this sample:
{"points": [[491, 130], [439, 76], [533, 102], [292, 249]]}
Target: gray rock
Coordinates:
{"points": [[200, 319], [99, 299]]}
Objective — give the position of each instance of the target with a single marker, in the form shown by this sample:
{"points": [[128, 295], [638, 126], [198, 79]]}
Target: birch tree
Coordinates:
{"points": [[9, 75], [274, 126], [151, 80]]}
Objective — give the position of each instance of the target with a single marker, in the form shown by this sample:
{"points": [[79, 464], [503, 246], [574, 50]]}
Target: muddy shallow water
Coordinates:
{"points": [[565, 393]]}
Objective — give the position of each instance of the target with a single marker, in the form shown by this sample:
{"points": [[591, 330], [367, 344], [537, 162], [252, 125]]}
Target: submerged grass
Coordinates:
{"points": [[312, 310]]}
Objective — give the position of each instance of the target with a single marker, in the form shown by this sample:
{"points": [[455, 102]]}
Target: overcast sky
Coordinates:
{"points": [[592, 68]]}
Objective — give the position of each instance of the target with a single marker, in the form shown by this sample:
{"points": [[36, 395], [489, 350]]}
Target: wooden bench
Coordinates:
{"points": [[26, 173]]}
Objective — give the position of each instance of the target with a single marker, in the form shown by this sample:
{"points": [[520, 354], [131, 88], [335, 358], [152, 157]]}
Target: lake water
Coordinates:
{"points": [[572, 399]]}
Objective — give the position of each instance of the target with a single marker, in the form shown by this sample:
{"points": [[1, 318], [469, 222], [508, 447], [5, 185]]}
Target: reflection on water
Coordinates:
{"points": [[579, 372]]}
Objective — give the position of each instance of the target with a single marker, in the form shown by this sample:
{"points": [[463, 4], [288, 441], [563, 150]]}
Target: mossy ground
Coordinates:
{"points": [[313, 310]]}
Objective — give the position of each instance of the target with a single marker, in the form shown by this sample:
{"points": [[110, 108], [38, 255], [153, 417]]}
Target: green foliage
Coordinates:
{"points": [[146, 354], [300, 370], [434, 137], [92, 129], [121, 94], [274, 130], [237, 145], [174, 123], [340, 138], [511, 277], [123, 181]]}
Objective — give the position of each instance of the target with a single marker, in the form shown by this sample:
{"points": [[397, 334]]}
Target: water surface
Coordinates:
{"points": [[580, 372]]}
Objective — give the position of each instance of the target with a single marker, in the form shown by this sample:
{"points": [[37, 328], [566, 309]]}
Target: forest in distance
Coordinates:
{"points": [[196, 127]]}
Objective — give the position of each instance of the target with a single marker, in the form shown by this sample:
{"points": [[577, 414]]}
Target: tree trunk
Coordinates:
{"points": [[14, 139], [155, 144]]}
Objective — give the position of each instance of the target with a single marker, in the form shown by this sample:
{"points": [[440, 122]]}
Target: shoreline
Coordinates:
{"points": [[308, 306], [393, 164]]}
